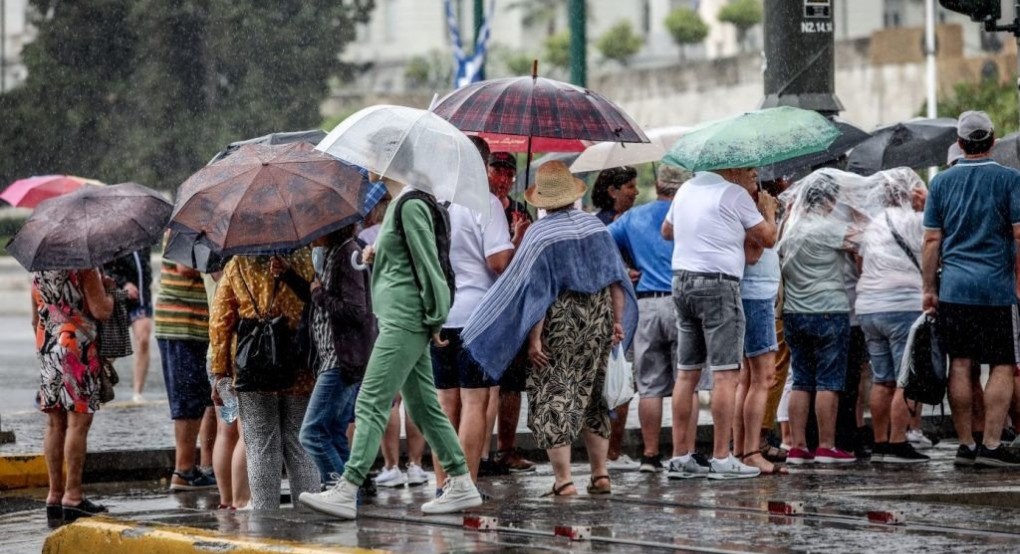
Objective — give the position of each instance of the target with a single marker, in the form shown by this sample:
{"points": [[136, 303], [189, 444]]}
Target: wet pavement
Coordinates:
{"points": [[945, 509]]}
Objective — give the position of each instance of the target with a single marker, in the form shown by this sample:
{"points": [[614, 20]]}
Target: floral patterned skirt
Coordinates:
{"points": [[567, 396], [70, 367]]}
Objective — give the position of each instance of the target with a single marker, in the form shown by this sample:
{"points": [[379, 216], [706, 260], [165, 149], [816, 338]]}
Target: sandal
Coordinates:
{"points": [[773, 453], [85, 508], [558, 491], [594, 489]]}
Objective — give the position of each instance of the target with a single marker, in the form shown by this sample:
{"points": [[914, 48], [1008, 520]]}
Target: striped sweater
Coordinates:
{"points": [[182, 309]]}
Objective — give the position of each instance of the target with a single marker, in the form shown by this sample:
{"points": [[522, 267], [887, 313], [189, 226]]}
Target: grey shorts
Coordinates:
{"points": [[655, 347], [710, 318]]}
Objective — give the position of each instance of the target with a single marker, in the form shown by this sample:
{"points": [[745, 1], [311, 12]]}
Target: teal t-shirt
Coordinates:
{"points": [[975, 204]]}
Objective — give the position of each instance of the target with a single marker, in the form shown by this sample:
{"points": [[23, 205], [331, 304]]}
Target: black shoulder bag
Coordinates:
{"points": [[902, 243], [261, 360]]}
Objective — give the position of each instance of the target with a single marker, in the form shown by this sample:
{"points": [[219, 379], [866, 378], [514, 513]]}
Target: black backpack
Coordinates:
{"points": [[441, 228]]}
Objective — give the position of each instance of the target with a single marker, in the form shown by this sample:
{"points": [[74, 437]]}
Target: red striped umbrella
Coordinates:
{"points": [[537, 107]]}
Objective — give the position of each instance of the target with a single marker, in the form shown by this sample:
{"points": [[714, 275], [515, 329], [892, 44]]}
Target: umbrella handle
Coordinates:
{"points": [[356, 262]]}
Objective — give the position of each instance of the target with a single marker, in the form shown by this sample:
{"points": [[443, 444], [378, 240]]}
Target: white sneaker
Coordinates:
{"points": [[391, 477], [459, 494], [917, 439], [416, 475], [623, 463], [340, 501], [137, 398], [731, 468], [679, 468]]}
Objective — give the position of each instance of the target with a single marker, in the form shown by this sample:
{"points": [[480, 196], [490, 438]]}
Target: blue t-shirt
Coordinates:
{"points": [[975, 204], [761, 280], [638, 233]]}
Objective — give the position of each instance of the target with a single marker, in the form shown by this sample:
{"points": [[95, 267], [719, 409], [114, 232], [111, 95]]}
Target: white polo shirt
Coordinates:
{"points": [[710, 218], [471, 243]]}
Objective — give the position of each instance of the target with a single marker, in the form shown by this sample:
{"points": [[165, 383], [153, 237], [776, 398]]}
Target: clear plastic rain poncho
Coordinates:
{"points": [[831, 201]]}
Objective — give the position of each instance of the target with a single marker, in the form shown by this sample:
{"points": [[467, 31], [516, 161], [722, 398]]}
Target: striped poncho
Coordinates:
{"points": [[182, 308], [565, 251]]}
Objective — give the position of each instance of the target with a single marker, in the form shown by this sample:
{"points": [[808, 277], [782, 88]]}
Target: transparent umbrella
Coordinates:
{"points": [[414, 147], [605, 155]]}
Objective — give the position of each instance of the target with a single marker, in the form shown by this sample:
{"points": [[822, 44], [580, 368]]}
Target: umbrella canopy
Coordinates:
{"points": [[195, 250], [605, 155], [915, 143], [850, 136], [1007, 151], [414, 147], [29, 192], [753, 139], [267, 198], [311, 136], [90, 227], [537, 107]]}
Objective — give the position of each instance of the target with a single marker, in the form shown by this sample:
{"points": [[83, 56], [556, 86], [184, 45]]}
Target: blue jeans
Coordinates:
{"points": [[887, 334], [324, 431]]}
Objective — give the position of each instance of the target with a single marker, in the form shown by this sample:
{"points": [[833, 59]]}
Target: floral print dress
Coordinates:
{"points": [[66, 343]]}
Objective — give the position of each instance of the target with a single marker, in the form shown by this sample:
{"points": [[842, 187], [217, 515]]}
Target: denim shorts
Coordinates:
{"points": [[819, 345], [454, 368], [141, 311], [187, 385], [886, 334], [710, 320], [759, 327]]}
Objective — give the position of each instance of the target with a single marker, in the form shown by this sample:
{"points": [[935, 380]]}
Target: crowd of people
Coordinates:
{"points": [[777, 299]]}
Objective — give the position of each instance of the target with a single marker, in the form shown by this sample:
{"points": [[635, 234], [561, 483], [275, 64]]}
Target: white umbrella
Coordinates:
{"points": [[414, 147], [605, 155]]}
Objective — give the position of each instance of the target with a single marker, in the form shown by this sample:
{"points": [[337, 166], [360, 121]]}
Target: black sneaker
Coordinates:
{"points": [[489, 468], [1008, 434], [965, 456], [192, 480], [998, 457], [878, 452], [651, 464], [903, 453]]}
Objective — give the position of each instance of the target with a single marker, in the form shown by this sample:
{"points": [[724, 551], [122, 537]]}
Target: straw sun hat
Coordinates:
{"points": [[554, 187]]}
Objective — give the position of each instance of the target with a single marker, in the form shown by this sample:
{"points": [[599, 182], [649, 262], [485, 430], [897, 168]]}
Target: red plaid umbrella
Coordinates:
{"points": [[537, 107]]}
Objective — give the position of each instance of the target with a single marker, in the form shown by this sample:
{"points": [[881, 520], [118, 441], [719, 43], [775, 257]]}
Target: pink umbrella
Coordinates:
{"points": [[519, 143], [29, 192]]}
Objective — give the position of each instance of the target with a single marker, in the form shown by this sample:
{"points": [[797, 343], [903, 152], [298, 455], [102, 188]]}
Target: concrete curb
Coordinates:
{"points": [[110, 536]]}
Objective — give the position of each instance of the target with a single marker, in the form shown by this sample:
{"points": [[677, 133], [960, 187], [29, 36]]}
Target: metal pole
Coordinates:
{"points": [[577, 16], [932, 69]]}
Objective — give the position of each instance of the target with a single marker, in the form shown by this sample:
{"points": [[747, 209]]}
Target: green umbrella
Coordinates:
{"points": [[753, 139]]}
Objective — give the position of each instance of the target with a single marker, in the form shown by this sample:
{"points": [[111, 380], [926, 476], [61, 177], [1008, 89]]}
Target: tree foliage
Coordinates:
{"points": [[557, 50], [999, 100], [686, 27], [620, 42], [148, 91], [538, 12], [742, 14]]}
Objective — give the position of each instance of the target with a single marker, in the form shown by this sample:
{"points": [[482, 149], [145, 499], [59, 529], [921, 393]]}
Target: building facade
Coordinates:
{"points": [[15, 33]]}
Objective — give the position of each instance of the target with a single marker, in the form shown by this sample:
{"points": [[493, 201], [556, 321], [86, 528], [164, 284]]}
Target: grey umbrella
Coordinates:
{"points": [[90, 227], [1007, 151], [194, 249], [915, 143]]}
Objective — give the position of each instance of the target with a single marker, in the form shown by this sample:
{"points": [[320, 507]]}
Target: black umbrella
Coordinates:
{"points": [[916, 143], [851, 135], [1007, 151], [90, 227], [195, 250]]}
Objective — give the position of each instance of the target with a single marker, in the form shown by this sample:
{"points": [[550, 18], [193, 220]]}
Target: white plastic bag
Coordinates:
{"points": [[619, 387]]}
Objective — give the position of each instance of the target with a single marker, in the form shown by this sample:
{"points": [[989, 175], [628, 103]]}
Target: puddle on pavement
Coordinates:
{"points": [[997, 498]]}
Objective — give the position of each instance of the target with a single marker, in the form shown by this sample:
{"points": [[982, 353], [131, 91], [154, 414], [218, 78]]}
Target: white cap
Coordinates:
{"points": [[955, 154], [974, 125]]}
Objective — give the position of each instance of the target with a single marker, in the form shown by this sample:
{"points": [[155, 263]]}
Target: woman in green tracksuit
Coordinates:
{"points": [[411, 300]]}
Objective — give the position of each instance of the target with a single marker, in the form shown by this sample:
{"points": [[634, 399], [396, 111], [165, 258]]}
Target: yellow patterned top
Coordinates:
{"points": [[244, 274]]}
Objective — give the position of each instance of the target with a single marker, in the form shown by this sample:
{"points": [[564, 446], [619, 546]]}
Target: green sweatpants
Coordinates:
{"points": [[401, 362]]}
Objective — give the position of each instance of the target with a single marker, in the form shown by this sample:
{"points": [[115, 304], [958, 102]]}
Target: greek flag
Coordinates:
{"points": [[469, 68]]}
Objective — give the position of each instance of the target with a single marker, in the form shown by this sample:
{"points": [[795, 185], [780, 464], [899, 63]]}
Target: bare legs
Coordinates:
{"points": [[75, 445], [826, 404], [755, 378], [889, 414], [239, 472], [141, 337], [222, 458], [961, 399], [617, 424], [207, 438], [685, 413], [391, 439], [650, 416], [559, 457], [53, 447], [466, 409]]}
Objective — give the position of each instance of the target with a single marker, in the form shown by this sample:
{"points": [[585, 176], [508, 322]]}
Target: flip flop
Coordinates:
{"points": [[593, 489], [557, 491]]}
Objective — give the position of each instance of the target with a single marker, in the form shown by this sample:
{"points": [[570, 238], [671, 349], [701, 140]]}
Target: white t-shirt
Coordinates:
{"points": [[710, 217], [470, 243], [890, 282]]}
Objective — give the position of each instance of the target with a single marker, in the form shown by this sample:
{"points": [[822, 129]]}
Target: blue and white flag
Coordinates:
{"points": [[469, 68]]}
